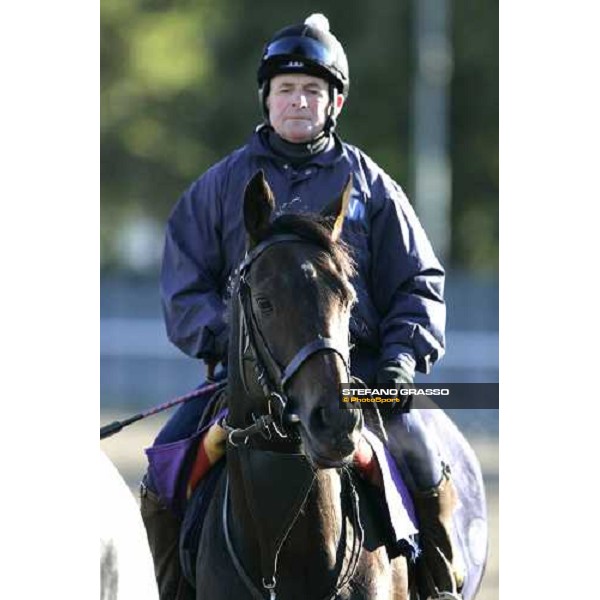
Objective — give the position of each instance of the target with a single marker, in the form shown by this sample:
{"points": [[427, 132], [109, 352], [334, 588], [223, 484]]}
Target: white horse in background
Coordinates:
{"points": [[126, 567]]}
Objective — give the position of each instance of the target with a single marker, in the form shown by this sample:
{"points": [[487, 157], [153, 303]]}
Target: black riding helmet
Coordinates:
{"points": [[308, 48]]}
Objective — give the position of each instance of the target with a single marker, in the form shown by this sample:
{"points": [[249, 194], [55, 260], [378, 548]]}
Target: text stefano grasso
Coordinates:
{"points": [[387, 392]]}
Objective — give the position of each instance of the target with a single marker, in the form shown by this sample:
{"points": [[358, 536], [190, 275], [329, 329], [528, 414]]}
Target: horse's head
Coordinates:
{"points": [[295, 301]]}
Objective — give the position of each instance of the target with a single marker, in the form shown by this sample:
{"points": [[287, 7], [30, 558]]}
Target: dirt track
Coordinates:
{"points": [[126, 451]]}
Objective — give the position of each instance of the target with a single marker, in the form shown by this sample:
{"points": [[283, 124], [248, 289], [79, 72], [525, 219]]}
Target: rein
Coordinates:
{"points": [[272, 379]]}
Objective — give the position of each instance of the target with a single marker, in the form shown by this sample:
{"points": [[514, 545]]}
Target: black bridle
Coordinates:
{"points": [[271, 376]]}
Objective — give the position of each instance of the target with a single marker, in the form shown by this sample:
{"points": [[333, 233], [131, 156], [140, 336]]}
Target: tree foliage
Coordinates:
{"points": [[179, 92]]}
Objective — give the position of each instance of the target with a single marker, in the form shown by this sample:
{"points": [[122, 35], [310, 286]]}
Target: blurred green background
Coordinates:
{"points": [[179, 92]]}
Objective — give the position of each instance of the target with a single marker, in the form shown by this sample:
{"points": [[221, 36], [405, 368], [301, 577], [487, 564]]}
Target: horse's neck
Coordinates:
{"points": [[316, 533], [323, 520]]}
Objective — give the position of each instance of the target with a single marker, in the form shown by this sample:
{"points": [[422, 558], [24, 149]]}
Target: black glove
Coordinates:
{"points": [[215, 353], [393, 375]]}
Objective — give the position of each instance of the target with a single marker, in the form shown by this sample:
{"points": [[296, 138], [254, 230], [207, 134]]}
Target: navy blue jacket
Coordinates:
{"points": [[400, 313]]}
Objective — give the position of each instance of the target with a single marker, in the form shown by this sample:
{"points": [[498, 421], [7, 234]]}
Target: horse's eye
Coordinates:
{"points": [[264, 305]]}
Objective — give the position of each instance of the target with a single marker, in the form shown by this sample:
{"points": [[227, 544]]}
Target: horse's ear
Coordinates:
{"points": [[258, 207], [337, 210]]}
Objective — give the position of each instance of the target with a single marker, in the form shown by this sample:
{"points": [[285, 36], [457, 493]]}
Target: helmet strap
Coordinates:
{"points": [[263, 93], [331, 120]]}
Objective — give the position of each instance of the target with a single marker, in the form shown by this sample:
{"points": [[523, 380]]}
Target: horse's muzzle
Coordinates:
{"points": [[332, 435]]}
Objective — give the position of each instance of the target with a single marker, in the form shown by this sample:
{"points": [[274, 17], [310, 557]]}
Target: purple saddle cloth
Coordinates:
{"points": [[398, 500], [169, 465]]}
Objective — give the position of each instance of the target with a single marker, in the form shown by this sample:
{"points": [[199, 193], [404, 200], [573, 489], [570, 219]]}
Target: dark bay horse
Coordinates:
{"points": [[291, 520]]}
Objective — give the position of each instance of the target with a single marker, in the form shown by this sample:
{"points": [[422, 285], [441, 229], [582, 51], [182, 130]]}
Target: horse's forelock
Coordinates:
{"points": [[316, 229]]}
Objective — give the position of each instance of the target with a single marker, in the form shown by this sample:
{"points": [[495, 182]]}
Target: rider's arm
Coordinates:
{"points": [[192, 272], [407, 284]]}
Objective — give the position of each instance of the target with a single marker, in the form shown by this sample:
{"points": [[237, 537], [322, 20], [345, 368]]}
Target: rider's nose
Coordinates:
{"points": [[300, 100]]}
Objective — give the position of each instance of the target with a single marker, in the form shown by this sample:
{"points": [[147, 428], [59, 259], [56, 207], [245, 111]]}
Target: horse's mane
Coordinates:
{"points": [[317, 230]]}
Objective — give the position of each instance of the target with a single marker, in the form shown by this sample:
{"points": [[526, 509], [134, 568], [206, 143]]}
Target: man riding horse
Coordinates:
{"points": [[397, 325]]}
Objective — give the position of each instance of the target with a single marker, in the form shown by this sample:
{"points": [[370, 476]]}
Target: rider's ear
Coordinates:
{"points": [[258, 207], [337, 210]]}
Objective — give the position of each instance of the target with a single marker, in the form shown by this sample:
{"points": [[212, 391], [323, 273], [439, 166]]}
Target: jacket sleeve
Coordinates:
{"points": [[192, 278], [407, 284]]}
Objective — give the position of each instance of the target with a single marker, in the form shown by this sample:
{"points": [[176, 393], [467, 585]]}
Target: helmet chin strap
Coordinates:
{"points": [[331, 120], [263, 92]]}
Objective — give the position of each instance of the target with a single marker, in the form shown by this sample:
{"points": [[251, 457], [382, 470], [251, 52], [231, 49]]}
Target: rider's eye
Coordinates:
{"points": [[264, 305]]}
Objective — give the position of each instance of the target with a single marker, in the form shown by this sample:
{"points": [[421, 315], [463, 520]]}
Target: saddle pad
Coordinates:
{"points": [[399, 502], [170, 465]]}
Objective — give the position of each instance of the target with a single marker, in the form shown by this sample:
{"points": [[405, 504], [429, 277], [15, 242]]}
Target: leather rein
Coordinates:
{"points": [[270, 381]]}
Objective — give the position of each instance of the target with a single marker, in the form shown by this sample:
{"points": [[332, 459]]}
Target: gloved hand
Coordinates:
{"points": [[392, 374], [218, 355]]}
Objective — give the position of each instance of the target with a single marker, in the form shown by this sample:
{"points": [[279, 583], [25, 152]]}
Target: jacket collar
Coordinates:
{"points": [[259, 147]]}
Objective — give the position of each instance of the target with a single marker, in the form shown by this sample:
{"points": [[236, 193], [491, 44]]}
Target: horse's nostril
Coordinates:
{"points": [[321, 419], [335, 418]]}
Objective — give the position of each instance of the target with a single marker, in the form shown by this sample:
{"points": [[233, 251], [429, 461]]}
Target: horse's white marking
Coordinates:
{"points": [[309, 270]]}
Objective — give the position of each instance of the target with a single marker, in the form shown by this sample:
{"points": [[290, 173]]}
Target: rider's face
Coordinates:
{"points": [[297, 105]]}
